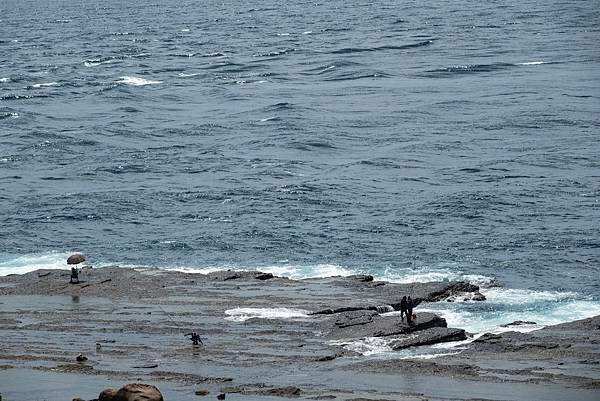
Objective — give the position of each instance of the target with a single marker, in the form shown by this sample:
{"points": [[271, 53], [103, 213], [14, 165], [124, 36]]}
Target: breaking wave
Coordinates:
{"points": [[137, 81], [243, 314]]}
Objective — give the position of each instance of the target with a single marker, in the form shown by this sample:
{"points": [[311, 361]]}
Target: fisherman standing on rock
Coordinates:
{"points": [[403, 309], [409, 306]]}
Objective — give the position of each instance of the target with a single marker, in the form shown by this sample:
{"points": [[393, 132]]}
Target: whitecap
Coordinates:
{"points": [[184, 75], [307, 33], [137, 81], [185, 30], [97, 61], [243, 314], [283, 34], [45, 84], [533, 63], [4, 79]]}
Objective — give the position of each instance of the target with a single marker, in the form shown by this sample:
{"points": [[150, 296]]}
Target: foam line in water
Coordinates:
{"points": [[243, 314], [137, 81]]}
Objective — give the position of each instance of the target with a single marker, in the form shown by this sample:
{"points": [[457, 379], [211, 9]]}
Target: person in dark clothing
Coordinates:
{"points": [[403, 308], [195, 338], [409, 307], [74, 275]]}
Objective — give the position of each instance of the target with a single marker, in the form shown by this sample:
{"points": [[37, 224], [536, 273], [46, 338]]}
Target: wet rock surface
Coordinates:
{"points": [[358, 324], [131, 324]]}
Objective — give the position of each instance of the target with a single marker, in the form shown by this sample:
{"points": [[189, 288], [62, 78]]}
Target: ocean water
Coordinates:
{"points": [[410, 140]]}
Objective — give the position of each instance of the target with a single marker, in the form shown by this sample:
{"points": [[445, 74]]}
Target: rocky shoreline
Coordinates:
{"points": [[268, 338]]}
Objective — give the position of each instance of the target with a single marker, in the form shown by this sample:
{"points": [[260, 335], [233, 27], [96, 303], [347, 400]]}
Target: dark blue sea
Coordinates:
{"points": [[412, 140]]}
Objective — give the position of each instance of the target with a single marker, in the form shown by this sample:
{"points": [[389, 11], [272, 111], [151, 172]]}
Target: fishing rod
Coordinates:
{"points": [[177, 325]]}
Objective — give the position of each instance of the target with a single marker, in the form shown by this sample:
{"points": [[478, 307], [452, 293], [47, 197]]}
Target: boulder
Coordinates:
{"points": [[477, 296], [518, 323], [455, 288], [202, 392], [364, 278], [264, 276], [290, 391], [132, 392]]}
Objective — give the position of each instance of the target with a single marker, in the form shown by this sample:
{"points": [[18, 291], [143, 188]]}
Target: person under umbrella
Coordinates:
{"points": [[74, 260]]}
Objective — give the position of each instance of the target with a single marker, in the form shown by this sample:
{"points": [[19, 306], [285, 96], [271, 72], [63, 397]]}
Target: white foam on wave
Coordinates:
{"points": [[137, 81], [379, 347], [45, 84], [504, 306], [297, 272], [533, 63], [516, 296], [184, 75], [201, 270], [427, 275], [98, 61], [365, 346], [4, 79], [243, 314], [28, 263]]}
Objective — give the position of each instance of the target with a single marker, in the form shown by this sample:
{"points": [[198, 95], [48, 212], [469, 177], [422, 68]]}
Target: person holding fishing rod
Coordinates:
{"points": [[194, 336]]}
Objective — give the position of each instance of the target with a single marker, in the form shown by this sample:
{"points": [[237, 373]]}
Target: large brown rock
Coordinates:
{"points": [[132, 392]]}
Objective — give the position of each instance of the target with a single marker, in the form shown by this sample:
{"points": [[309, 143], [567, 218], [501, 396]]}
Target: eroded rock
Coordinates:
{"points": [[132, 392]]}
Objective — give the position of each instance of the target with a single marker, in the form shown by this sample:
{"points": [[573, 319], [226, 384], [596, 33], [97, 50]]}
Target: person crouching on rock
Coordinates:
{"points": [[74, 276], [403, 308], [195, 338], [409, 306]]}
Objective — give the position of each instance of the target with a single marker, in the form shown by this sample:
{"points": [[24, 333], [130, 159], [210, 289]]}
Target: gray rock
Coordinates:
{"points": [[430, 336], [359, 324], [264, 276], [517, 323]]}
